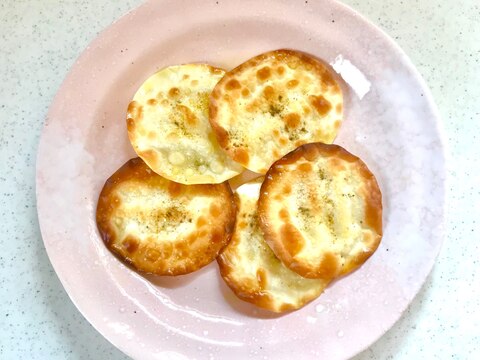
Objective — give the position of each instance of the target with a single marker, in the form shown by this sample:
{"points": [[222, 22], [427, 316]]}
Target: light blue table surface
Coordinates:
{"points": [[39, 42]]}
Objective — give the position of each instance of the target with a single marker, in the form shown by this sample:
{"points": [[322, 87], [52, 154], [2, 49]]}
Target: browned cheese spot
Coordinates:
{"points": [[306, 110], [287, 189], [228, 98], [242, 225], [286, 307], [320, 104], [241, 156], [201, 221], [264, 73], [245, 92], [152, 102], [292, 239], [276, 133], [194, 82], [232, 85], [292, 120], [305, 167], [284, 215], [268, 92], [135, 111], [329, 267], [292, 83], [336, 164], [185, 77], [253, 106], [173, 92], [283, 141], [337, 124], [130, 244], [188, 115], [299, 143], [277, 153], [215, 210], [280, 70], [221, 135], [216, 94], [130, 124], [262, 278]]}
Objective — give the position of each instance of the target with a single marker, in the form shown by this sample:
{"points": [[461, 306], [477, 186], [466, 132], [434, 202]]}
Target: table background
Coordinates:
{"points": [[39, 42]]}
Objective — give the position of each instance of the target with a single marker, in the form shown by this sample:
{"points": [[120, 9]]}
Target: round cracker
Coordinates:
{"points": [[162, 227], [251, 269], [168, 126], [321, 211], [273, 103]]}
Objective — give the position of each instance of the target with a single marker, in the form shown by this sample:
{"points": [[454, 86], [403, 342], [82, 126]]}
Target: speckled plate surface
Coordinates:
{"points": [[390, 122]]}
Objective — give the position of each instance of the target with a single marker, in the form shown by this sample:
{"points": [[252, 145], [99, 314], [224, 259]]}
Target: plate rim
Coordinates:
{"points": [[428, 99]]}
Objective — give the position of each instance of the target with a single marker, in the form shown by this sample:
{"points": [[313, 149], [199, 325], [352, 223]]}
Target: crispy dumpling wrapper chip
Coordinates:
{"points": [[162, 227], [273, 103], [320, 209], [168, 126], [251, 269]]}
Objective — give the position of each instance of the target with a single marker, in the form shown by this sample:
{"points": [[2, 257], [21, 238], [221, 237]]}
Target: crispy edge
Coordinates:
{"points": [[246, 290], [327, 77], [106, 205], [373, 200], [138, 170], [373, 218]]}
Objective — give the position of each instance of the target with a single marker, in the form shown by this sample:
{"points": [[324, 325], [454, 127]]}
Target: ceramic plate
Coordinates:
{"points": [[390, 122]]}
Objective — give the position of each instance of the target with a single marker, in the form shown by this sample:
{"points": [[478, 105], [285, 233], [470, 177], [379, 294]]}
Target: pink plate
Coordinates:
{"points": [[390, 122]]}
